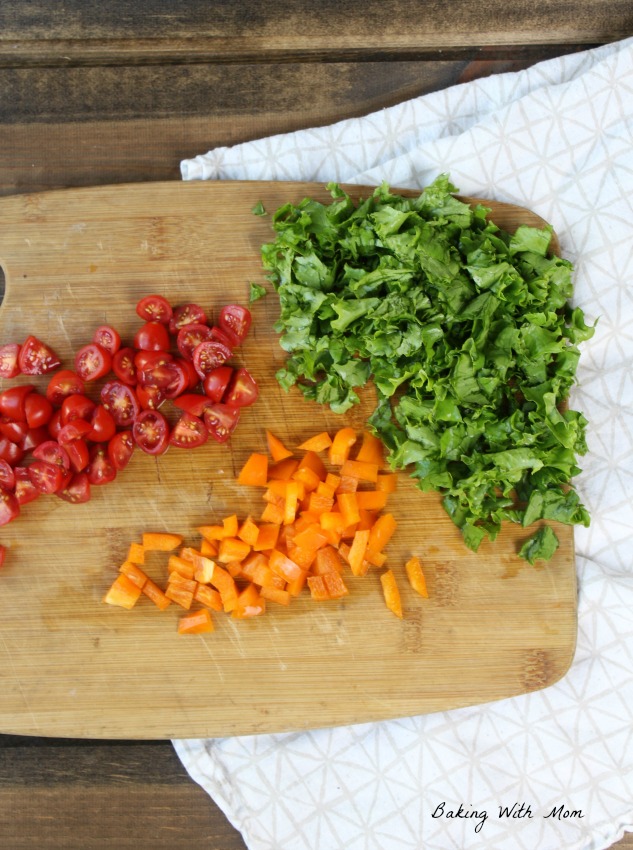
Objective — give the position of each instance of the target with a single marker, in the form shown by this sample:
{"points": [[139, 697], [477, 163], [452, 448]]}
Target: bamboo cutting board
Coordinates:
{"points": [[70, 665]]}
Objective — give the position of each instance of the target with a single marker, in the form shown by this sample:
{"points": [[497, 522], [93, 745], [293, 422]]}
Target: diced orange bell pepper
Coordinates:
{"points": [[283, 469], [391, 592], [348, 506], [387, 482], [179, 565], [250, 603], [371, 500], [318, 443], [136, 553], [372, 450], [248, 531], [327, 560], [134, 573], [123, 592], [363, 470], [318, 588], [335, 585], [275, 594], [284, 566], [276, 448], [181, 594], [223, 581], [267, 537], [161, 541], [356, 557], [208, 596], [195, 623], [156, 595], [416, 576], [341, 446], [381, 532], [254, 473], [232, 549]]}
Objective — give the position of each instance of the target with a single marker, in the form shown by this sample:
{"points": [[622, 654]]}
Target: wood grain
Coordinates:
{"points": [[492, 628]]}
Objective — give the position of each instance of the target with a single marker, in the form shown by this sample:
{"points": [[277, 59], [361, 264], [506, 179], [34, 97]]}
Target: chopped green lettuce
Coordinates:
{"points": [[467, 333]]}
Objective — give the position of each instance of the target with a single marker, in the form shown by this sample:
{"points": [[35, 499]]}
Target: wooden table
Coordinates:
{"points": [[121, 91]]}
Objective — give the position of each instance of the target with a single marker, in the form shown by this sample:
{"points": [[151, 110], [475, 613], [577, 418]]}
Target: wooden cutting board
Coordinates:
{"points": [[70, 665]]}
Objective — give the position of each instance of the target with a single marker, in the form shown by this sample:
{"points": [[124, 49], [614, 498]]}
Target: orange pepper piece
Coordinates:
{"points": [[371, 450], [161, 541], [123, 592], [415, 574], [254, 473], [391, 592], [195, 623], [341, 446], [318, 443], [276, 448]]}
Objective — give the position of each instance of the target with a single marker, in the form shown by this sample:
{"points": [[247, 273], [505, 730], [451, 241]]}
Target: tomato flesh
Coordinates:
{"points": [[121, 402], [37, 358], [208, 355], [12, 402], [107, 337], [92, 362], [63, 384], [154, 308], [152, 336], [100, 469], [221, 420], [243, 390], [10, 360], [189, 432], [235, 320], [186, 314], [151, 432], [121, 449], [77, 490], [9, 506]]}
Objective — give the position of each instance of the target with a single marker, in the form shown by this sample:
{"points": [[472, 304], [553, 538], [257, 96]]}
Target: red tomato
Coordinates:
{"points": [[52, 452], [189, 432], [186, 314], [222, 336], [121, 401], [7, 476], [216, 382], [221, 420], [76, 406], [208, 355], [76, 429], [55, 425], [92, 362], [189, 337], [193, 378], [46, 477], [121, 449], [107, 337], [64, 383], [151, 432], [235, 321], [144, 360], [154, 308], [242, 390], [14, 431], [77, 489], [25, 490], [150, 398], [10, 451], [193, 403], [78, 454], [123, 365], [36, 358], [100, 469], [9, 360], [152, 336], [35, 436], [103, 425], [9, 506], [37, 409], [12, 402]]}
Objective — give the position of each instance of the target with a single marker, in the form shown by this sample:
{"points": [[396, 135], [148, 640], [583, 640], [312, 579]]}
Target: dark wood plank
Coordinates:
{"points": [[122, 31]]}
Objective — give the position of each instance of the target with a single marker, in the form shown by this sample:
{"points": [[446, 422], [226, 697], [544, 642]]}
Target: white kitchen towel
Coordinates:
{"points": [[552, 769]]}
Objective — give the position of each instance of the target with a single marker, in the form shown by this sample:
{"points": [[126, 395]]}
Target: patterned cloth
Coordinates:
{"points": [[557, 138]]}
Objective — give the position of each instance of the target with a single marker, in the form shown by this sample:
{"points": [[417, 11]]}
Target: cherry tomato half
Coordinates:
{"points": [[216, 382], [193, 403], [103, 425], [221, 420], [186, 314], [123, 365], [151, 432], [9, 506], [243, 390], [10, 451], [46, 477], [235, 321], [77, 489], [189, 432], [37, 358], [152, 336], [154, 308], [208, 355], [121, 401], [52, 452], [107, 337], [121, 449], [7, 476], [62, 384], [12, 402], [76, 406], [25, 490], [9, 360], [92, 362], [189, 337], [100, 469], [37, 410]]}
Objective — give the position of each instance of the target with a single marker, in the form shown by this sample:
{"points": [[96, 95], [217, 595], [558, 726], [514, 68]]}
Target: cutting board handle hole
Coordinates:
{"points": [[2, 285]]}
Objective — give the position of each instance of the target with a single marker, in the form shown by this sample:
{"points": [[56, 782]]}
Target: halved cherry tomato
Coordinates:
{"points": [[151, 432], [92, 362], [222, 336], [46, 477], [121, 449], [123, 365], [193, 379], [221, 420], [7, 475], [107, 337], [100, 469], [208, 355], [9, 506], [54, 453], [193, 403], [76, 429], [154, 308], [12, 402], [121, 401], [14, 431], [152, 336], [189, 337], [37, 358], [216, 382], [76, 406], [37, 410], [55, 424], [25, 490], [235, 321], [150, 398], [103, 425], [9, 360], [243, 390], [186, 314], [62, 384], [79, 454], [10, 451], [35, 436], [77, 489], [189, 432], [144, 360]]}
